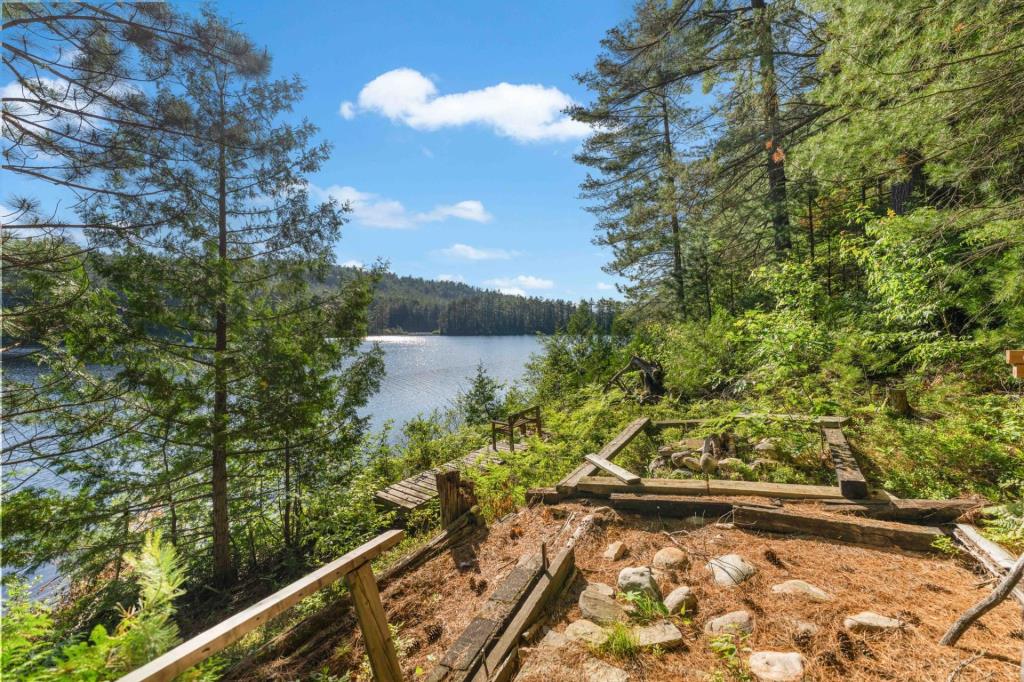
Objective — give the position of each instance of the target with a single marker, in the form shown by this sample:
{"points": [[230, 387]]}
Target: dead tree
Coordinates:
{"points": [[652, 376]]}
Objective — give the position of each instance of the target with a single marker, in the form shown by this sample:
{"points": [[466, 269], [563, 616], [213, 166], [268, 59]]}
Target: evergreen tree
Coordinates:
{"points": [[482, 401]]}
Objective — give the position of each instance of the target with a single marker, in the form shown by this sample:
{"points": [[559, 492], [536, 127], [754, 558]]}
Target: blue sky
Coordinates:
{"points": [[451, 173]]}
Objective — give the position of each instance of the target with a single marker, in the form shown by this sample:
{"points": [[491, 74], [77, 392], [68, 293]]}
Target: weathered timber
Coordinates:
{"points": [[552, 581], [851, 481], [668, 505], [543, 496], [992, 557], [624, 475], [831, 420], [567, 486], [373, 623], [1015, 357], [457, 496], [226, 633], [855, 530], [606, 485], [914, 511]]}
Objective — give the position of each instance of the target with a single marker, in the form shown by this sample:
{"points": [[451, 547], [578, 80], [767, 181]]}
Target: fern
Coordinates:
{"points": [[1005, 524]]}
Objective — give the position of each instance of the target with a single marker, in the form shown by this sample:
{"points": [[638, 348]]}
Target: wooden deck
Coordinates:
{"points": [[414, 492]]}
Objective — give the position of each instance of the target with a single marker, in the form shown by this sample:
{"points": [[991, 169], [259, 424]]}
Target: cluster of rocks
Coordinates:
{"points": [[713, 455], [601, 609]]}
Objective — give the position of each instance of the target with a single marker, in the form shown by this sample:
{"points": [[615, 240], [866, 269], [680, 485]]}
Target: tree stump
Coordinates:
{"points": [[457, 496], [896, 399]]}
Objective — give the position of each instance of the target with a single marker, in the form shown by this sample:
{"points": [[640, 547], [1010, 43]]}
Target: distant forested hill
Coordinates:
{"points": [[412, 304]]}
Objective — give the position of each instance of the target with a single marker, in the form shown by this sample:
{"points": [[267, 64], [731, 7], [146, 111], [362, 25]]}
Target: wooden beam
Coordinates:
{"points": [[856, 530], [831, 420], [543, 496], [606, 485], [851, 481], [226, 633], [1015, 357], [567, 486], [670, 506], [373, 623], [932, 511], [996, 560], [615, 470]]}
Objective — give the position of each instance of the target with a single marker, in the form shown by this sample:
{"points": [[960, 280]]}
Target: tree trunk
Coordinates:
{"points": [[776, 158], [287, 524], [223, 572], [899, 404], [677, 247]]}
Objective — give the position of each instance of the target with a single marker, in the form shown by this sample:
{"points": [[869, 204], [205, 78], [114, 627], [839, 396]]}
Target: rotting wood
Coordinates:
{"points": [[992, 557], [615, 470], [567, 486], [851, 481], [932, 511], [605, 485], [670, 506], [855, 530], [829, 420], [208, 643], [994, 598], [373, 623], [897, 402], [543, 496], [457, 496]]}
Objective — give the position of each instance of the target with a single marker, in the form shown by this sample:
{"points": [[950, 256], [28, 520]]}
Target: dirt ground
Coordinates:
{"points": [[431, 606]]}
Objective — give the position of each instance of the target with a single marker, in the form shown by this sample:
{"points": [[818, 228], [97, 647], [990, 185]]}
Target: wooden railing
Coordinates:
{"points": [[353, 566], [523, 421]]}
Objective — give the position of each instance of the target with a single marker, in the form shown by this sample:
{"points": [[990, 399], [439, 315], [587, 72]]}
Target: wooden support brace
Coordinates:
{"points": [[567, 486], [373, 623], [851, 481], [615, 470]]}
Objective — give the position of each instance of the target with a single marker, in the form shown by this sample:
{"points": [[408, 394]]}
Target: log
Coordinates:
{"points": [[624, 475], [992, 557], [1001, 592], [859, 531], [567, 486], [456, 496], [604, 485], [851, 481], [670, 506]]}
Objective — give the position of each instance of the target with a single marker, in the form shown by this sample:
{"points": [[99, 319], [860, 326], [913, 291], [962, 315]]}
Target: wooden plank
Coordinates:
{"points": [[1015, 357], [543, 496], [829, 420], [384, 496], [669, 505], [605, 485], [855, 530], [373, 623], [615, 470], [851, 481], [414, 500], [552, 581], [992, 557], [567, 486], [408, 490], [932, 511], [206, 644]]}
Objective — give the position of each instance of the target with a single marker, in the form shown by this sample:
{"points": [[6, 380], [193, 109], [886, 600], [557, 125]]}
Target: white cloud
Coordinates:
{"points": [[527, 113], [467, 252], [520, 282], [604, 286], [450, 278], [512, 291], [353, 263], [347, 111], [373, 210]]}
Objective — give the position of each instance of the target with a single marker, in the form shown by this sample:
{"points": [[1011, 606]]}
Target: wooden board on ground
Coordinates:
{"points": [[855, 530], [996, 560], [605, 485], [832, 421], [931, 511], [567, 485], [543, 496], [670, 506], [624, 475], [416, 491], [851, 481]]}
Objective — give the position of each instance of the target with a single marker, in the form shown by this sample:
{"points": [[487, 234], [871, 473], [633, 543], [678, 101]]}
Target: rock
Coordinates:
{"points": [[803, 629], [731, 464], [615, 551], [868, 621], [776, 666], [661, 634], [671, 559], [666, 450], [764, 463], [600, 588], [638, 579], [731, 569], [595, 670], [601, 608], [708, 463], [586, 631], [736, 622], [553, 639], [691, 463], [658, 463], [681, 600], [766, 446], [803, 589]]}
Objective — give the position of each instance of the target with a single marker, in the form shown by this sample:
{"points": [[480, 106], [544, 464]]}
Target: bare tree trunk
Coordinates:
{"points": [[677, 246], [1001, 591], [287, 495]]}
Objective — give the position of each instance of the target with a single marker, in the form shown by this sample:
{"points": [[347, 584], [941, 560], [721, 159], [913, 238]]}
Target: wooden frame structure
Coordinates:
{"points": [[524, 421], [1016, 359], [354, 567]]}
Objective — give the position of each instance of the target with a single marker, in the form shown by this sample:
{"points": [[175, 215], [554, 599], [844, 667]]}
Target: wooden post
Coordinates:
{"points": [[456, 496], [373, 623], [896, 399]]}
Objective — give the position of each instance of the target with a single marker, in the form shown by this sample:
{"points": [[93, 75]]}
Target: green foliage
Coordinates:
{"points": [[481, 402], [621, 643], [1004, 523], [728, 648], [645, 607]]}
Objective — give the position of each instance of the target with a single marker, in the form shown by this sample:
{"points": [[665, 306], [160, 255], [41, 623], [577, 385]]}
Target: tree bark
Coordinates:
{"points": [[677, 247]]}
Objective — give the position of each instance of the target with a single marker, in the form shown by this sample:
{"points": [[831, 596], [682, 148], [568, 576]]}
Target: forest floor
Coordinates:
{"points": [[429, 607]]}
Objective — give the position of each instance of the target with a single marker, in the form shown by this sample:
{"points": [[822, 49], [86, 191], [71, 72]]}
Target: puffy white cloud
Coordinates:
{"points": [[521, 282], [373, 210], [467, 252], [527, 112], [450, 278], [604, 286], [347, 111], [352, 263], [512, 291]]}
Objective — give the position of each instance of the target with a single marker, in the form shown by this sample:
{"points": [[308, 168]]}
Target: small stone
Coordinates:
{"points": [[658, 463], [764, 463], [661, 634], [766, 446], [615, 551], [601, 608], [776, 666], [804, 629], [868, 621], [553, 639], [595, 670], [666, 450], [803, 589], [731, 464], [671, 559], [691, 463], [638, 579], [600, 588], [681, 600], [586, 631], [731, 570], [736, 622]]}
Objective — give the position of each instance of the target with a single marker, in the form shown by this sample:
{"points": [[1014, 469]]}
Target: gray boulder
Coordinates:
{"points": [[735, 622], [661, 634], [601, 608], [681, 600], [776, 666], [870, 622], [800, 588], [671, 559], [638, 579], [731, 569], [586, 631]]}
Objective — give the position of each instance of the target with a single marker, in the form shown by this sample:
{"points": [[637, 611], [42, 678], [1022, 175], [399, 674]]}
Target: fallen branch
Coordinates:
{"points": [[997, 595]]}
